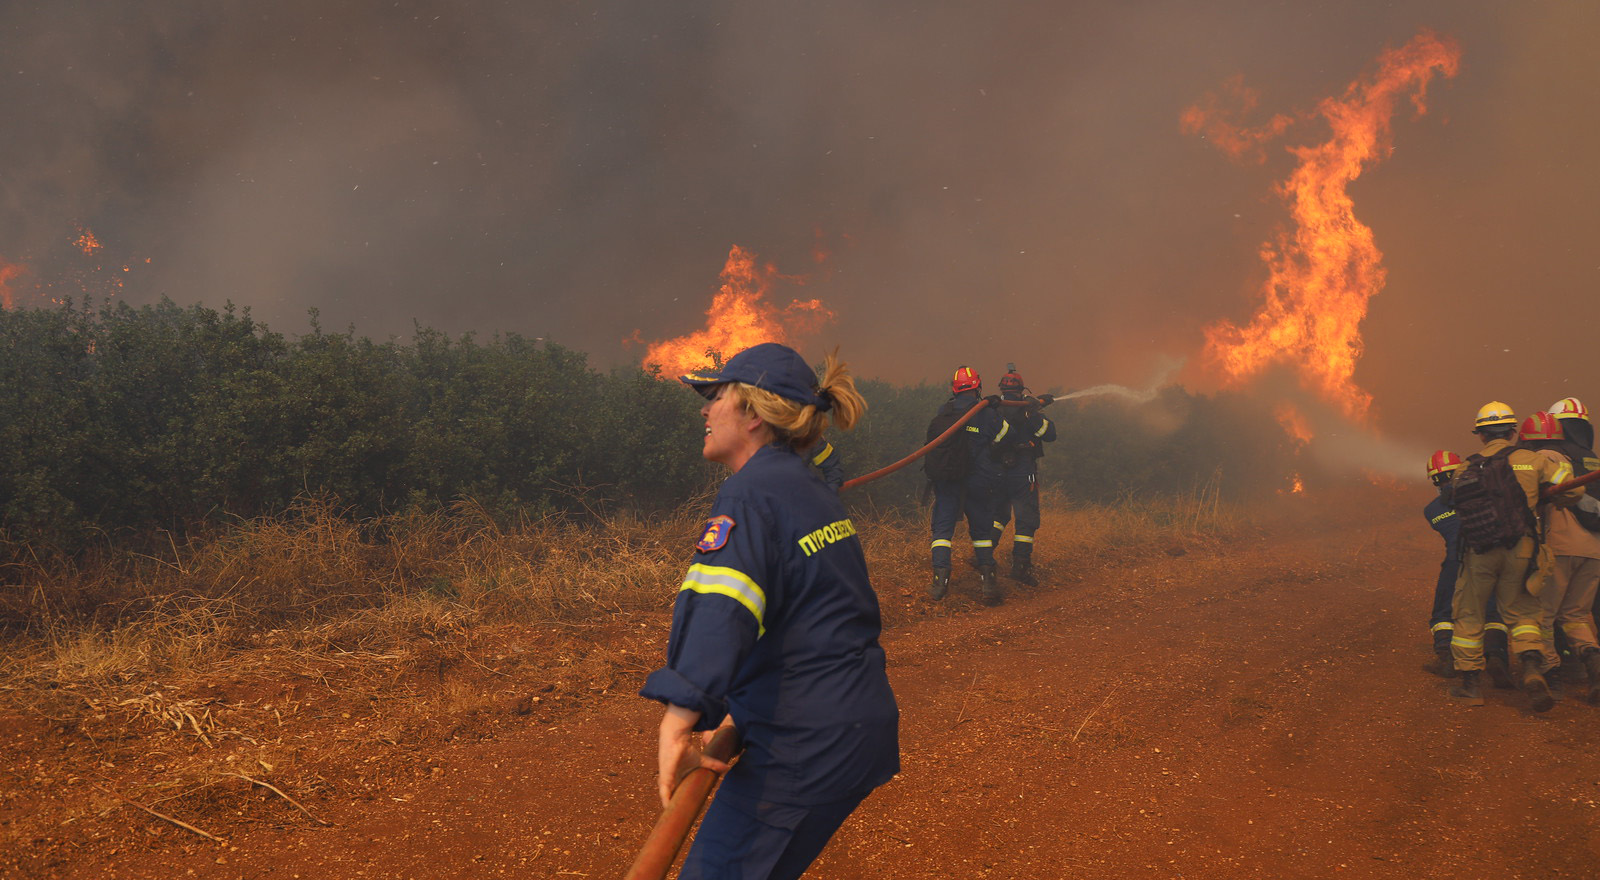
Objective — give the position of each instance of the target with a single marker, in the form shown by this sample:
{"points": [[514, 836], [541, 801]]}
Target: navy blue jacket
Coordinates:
{"points": [[777, 624], [985, 433], [1442, 517], [1027, 432]]}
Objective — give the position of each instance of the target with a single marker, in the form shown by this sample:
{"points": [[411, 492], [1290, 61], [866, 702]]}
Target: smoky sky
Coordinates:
{"points": [[993, 182]]}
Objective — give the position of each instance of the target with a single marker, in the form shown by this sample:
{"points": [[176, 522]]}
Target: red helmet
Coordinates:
{"points": [[1569, 408], [1541, 426], [1011, 381], [966, 379], [1442, 463]]}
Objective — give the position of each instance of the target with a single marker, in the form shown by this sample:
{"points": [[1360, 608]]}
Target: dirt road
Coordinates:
{"points": [[1253, 710]]}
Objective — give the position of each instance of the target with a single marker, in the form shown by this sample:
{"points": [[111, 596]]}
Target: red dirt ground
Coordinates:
{"points": [[1250, 710]]}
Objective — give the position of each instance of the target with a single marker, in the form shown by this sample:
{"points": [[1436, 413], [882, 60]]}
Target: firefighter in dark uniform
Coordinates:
{"points": [[775, 630], [1019, 458], [1442, 518], [963, 488]]}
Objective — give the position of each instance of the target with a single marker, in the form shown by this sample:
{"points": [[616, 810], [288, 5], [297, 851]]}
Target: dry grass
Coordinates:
{"points": [[323, 582], [314, 656], [315, 582]]}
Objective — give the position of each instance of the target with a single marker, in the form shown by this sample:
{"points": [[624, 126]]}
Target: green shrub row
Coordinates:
{"points": [[119, 420], [163, 417]]}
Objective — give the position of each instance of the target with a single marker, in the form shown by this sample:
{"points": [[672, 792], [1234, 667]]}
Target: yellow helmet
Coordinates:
{"points": [[1569, 408], [1494, 413]]}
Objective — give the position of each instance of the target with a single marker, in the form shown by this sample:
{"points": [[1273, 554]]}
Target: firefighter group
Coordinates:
{"points": [[987, 470], [1516, 592]]}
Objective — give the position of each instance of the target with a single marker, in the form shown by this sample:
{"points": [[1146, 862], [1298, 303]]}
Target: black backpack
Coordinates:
{"points": [[949, 461], [1490, 503]]}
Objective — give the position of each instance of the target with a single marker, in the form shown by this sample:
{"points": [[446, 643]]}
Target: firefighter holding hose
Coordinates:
{"points": [[1018, 461], [1568, 595], [775, 629], [962, 482], [1496, 493], [1442, 517]]}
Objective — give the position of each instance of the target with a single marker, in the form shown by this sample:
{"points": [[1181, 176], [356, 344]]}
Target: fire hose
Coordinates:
{"points": [[967, 417], [1552, 491], [689, 798]]}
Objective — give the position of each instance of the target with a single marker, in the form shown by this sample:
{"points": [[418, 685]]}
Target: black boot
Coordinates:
{"points": [[991, 585], [1497, 658], [940, 585], [1533, 683], [1591, 663], [1442, 664], [1022, 571], [1466, 691]]}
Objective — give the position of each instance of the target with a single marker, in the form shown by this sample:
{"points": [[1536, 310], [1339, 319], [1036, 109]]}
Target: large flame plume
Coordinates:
{"points": [[1326, 266], [740, 316]]}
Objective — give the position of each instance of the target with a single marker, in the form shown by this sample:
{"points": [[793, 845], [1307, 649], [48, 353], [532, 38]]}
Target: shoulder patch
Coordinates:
{"points": [[716, 535]]}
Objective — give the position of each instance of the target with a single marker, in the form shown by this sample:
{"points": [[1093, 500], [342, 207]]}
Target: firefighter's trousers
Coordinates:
{"points": [[947, 498], [1440, 622], [1502, 573], [974, 498], [1567, 602], [1019, 490]]}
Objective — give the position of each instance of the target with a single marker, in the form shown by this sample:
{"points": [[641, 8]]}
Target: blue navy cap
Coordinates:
{"points": [[768, 366]]}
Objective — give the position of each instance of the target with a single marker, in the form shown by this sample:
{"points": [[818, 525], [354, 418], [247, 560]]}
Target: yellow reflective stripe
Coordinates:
{"points": [[1042, 428], [1461, 642], [736, 585], [1495, 626], [1026, 539], [1563, 472], [1526, 629], [983, 543], [941, 542], [999, 525], [819, 458], [1004, 427], [1445, 625]]}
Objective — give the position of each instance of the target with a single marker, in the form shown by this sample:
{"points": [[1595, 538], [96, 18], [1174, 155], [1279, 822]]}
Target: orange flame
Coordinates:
{"points": [[1294, 424], [740, 316], [8, 273], [1324, 270], [86, 241]]}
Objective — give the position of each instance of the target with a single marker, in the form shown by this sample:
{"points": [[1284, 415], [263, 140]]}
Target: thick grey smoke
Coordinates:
{"points": [[996, 182]]}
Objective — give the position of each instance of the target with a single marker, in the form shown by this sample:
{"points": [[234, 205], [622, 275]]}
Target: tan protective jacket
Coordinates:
{"points": [[1561, 529]]}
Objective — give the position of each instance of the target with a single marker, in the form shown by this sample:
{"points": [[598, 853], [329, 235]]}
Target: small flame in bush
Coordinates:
{"points": [[9, 272], [740, 316], [86, 242]]}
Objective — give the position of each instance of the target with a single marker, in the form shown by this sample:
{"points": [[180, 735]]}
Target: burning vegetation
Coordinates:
{"points": [[74, 271], [1323, 268], [740, 315]]}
